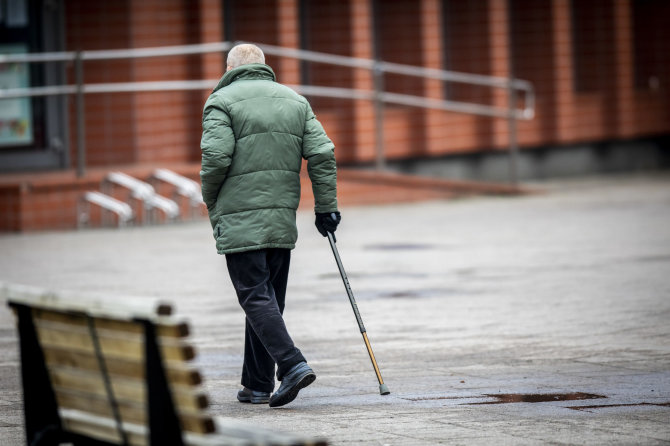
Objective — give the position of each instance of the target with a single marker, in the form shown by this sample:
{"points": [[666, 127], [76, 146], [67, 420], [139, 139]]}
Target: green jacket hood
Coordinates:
{"points": [[248, 71]]}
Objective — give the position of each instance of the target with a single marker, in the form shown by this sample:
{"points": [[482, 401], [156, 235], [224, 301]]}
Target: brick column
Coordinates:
{"points": [[432, 47], [363, 119], [563, 61], [623, 54], [211, 30], [289, 36], [499, 43], [163, 122]]}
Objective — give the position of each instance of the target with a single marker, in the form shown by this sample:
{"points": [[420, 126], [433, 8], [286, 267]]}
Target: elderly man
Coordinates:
{"points": [[255, 134]]}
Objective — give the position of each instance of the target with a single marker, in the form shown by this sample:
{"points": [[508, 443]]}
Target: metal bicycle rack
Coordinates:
{"points": [[184, 187], [123, 211], [146, 194]]}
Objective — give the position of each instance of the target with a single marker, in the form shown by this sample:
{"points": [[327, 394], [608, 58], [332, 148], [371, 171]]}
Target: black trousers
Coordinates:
{"points": [[260, 278]]}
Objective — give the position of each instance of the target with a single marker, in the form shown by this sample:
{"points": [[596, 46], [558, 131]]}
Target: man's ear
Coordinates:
{"points": [[228, 68]]}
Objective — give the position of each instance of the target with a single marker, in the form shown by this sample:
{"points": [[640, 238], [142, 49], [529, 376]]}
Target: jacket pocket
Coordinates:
{"points": [[217, 231]]}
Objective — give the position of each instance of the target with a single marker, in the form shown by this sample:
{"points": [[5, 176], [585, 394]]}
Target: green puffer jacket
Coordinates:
{"points": [[255, 134]]}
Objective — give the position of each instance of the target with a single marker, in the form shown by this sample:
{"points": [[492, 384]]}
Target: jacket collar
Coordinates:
{"points": [[249, 71]]}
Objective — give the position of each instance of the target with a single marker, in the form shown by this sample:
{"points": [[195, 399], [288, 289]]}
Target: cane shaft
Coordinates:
{"points": [[354, 306], [372, 358], [345, 280]]}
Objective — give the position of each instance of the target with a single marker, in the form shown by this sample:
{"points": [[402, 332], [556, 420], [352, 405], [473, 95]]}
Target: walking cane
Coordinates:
{"points": [[383, 390]]}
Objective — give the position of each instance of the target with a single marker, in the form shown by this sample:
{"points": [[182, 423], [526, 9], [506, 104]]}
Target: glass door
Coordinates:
{"points": [[33, 130]]}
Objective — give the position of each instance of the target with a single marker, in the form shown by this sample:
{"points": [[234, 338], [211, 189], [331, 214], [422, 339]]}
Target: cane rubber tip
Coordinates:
{"points": [[383, 390]]}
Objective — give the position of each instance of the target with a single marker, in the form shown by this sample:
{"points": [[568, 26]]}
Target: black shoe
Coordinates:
{"points": [[299, 377], [252, 396]]}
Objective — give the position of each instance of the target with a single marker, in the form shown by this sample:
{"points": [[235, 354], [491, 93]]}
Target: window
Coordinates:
{"points": [[592, 43], [398, 39], [466, 47], [651, 43], [325, 27], [252, 21]]}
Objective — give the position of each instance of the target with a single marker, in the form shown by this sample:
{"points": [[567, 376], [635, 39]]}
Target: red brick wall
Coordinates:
{"points": [[124, 128], [534, 58], [50, 200], [399, 40], [328, 30], [38, 203], [10, 208], [603, 76], [110, 135], [362, 122], [467, 48], [580, 97], [545, 53], [167, 124]]}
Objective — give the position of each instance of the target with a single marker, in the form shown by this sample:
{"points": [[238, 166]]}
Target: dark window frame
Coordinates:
{"points": [[50, 148]]}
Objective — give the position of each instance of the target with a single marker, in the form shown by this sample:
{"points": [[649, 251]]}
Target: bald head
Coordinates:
{"points": [[244, 54]]}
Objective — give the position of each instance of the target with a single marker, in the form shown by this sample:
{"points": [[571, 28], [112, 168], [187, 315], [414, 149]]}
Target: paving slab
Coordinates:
{"points": [[560, 292]]}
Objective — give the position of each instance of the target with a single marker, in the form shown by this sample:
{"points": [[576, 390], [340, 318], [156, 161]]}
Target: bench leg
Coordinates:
{"points": [[43, 423], [164, 426]]}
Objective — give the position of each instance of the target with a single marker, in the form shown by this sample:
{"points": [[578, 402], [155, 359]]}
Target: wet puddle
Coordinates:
{"points": [[606, 406], [433, 398], [505, 398]]}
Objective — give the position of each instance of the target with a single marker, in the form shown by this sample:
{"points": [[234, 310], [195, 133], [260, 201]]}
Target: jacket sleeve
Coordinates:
{"points": [[318, 150], [217, 145]]}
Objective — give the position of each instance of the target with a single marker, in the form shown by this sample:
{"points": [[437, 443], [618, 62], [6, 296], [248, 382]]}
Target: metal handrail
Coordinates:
{"points": [[305, 55], [378, 69], [307, 90], [126, 53], [396, 68]]}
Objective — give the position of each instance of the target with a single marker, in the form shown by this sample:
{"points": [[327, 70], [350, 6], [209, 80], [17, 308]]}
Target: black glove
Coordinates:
{"points": [[327, 222]]}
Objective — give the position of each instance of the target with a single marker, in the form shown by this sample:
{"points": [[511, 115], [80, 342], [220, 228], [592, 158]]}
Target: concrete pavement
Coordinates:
{"points": [[478, 310]]}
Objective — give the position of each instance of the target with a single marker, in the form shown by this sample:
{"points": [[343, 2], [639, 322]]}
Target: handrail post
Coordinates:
{"points": [[81, 131], [511, 97], [378, 81], [511, 124]]}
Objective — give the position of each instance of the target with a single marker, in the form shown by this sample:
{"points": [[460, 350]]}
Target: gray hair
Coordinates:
{"points": [[244, 54]]}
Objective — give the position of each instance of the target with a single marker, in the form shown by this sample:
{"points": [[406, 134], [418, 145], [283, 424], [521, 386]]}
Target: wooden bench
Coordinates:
{"points": [[116, 373]]}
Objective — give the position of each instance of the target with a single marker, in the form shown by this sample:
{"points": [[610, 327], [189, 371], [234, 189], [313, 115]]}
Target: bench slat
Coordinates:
{"points": [[119, 308], [235, 432], [79, 339], [177, 373], [124, 389], [199, 423], [103, 433], [102, 428], [167, 327]]}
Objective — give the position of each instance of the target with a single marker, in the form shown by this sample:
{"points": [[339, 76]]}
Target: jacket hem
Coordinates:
{"points": [[256, 248]]}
